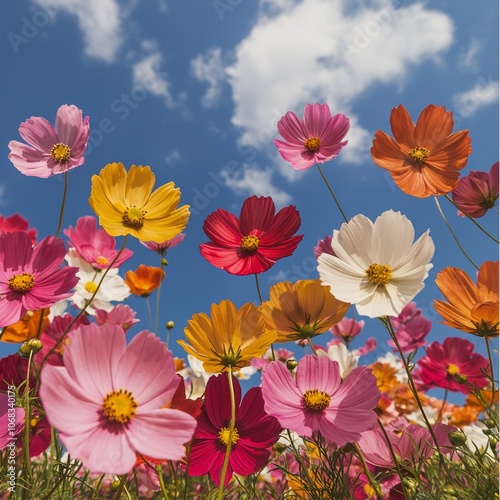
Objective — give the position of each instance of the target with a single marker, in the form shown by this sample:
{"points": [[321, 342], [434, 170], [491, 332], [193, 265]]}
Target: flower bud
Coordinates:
{"points": [[164, 262], [461, 379], [291, 364], [457, 438], [30, 346], [169, 325]]}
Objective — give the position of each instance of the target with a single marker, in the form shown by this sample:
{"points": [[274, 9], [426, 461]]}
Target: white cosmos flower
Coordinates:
{"points": [[377, 266]]}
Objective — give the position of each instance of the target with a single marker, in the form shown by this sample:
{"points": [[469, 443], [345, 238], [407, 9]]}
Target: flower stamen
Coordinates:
{"points": [[60, 152], [21, 283], [133, 217], [250, 243], [102, 260], [119, 406], [453, 369], [224, 436], [380, 274], [312, 144], [419, 155], [316, 400]]}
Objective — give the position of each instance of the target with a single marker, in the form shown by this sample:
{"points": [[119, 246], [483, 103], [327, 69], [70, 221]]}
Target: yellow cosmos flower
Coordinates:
{"points": [[229, 337], [126, 204], [302, 310]]}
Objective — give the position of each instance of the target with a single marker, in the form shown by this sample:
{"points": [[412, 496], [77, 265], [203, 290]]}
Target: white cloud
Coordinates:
{"points": [[323, 50], [482, 94], [173, 157], [209, 68], [99, 22], [254, 180], [468, 58]]}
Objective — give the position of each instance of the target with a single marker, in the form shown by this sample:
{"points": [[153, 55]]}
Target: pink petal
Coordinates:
{"points": [[320, 373], [316, 118], [39, 133], [29, 161]]}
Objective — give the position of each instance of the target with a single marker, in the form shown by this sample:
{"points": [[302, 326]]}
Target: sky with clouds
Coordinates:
{"points": [[194, 89]]}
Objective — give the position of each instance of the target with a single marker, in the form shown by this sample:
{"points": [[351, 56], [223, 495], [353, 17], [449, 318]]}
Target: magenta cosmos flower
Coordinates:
{"points": [[411, 328], [455, 357], [317, 138], [30, 278], [107, 401], [318, 400], [94, 245], [51, 150], [254, 242], [254, 434], [16, 223], [477, 193], [162, 248]]}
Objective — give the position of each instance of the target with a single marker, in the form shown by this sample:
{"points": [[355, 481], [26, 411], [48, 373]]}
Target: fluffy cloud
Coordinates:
{"points": [[323, 50], [99, 22], [208, 68], [482, 94]]}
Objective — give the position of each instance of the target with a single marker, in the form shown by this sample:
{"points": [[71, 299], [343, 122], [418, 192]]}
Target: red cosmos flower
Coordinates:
{"points": [[255, 241], [16, 223], [254, 433], [443, 362]]}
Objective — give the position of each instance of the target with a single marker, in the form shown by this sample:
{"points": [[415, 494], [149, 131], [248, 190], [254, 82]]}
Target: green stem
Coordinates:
{"points": [[150, 318], [490, 359], [472, 219], [453, 234], [118, 493], [311, 345], [27, 417], [258, 287], [157, 312], [331, 192], [368, 474], [442, 406], [82, 311], [162, 483], [63, 204], [230, 436]]}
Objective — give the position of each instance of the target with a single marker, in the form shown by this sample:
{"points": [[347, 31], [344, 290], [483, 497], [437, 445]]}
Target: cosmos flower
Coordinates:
{"points": [[30, 277], [468, 307], [126, 204], [107, 406], [477, 193], [346, 329], [318, 400], [229, 337], [411, 328], [317, 138], [50, 150], [301, 310], [423, 159], [377, 266], [254, 433], [254, 242], [144, 280], [95, 246], [16, 223], [162, 247], [122, 315], [27, 327], [443, 363], [324, 245]]}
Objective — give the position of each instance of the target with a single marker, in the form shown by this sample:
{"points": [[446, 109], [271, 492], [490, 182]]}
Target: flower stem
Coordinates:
{"points": [[311, 345], [453, 234], [157, 312], [162, 483], [368, 474], [63, 204], [490, 359], [230, 436], [331, 192], [27, 419], [258, 287], [472, 219], [150, 319]]}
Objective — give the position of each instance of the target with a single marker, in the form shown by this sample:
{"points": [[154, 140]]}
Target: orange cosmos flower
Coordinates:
{"points": [[301, 310], [423, 159], [145, 280], [27, 327], [470, 308]]}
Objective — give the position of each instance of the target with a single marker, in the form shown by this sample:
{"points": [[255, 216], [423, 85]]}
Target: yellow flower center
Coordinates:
{"points": [[379, 274], [250, 243], [453, 369], [102, 260], [133, 217], [419, 155], [312, 144], [90, 286], [119, 406], [21, 283], [316, 400], [60, 152], [224, 436]]}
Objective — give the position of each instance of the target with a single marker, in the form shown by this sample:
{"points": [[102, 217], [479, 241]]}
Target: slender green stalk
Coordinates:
{"points": [[63, 204], [368, 474], [150, 317], [230, 435], [453, 234], [443, 405], [311, 345], [331, 192], [121, 486], [472, 219], [490, 359], [27, 419], [162, 483], [158, 295], [258, 287]]}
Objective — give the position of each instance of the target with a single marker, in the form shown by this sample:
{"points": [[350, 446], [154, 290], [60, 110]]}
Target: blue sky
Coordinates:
{"points": [[194, 89]]}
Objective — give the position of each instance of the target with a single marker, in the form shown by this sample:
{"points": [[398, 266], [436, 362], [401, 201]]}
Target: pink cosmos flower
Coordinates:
{"points": [[280, 354], [477, 193], [107, 400], [411, 328], [254, 434], [162, 248], [455, 357], [51, 150], [318, 400], [121, 315], [347, 328], [317, 138], [11, 422], [93, 245], [30, 278], [324, 246], [16, 223]]}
